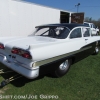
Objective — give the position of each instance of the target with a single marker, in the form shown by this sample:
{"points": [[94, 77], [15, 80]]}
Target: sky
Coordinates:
{"points": [[91, 8]]}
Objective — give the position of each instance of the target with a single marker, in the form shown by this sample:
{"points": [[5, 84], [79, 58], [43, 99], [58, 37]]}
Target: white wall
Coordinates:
{"points": [[19, 18]]}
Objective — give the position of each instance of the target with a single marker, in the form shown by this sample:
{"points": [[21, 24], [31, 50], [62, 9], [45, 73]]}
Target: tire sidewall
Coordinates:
{"points": [[59, 72]]}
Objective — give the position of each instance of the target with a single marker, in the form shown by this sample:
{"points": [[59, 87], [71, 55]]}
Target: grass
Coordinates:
{"points": [[82, 82]]}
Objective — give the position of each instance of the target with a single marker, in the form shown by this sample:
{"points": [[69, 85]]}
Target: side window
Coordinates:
{"points": [[76, 33], [86, 32]]}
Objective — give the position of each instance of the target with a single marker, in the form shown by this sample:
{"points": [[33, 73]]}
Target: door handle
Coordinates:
{"points": [[86, 39]]}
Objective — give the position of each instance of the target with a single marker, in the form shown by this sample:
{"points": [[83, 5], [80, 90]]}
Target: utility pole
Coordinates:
{"points": [[77, 6]]}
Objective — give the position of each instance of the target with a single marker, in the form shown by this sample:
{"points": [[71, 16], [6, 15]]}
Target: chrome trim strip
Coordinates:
{"points": [[39, 63]]}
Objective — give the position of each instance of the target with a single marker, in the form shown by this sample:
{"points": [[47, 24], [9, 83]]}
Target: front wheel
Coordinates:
{"points": [[96, 51], [62, 68]]}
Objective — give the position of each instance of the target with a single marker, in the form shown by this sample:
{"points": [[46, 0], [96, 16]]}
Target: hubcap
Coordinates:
{"points": [[64, 65], [97, 50]]}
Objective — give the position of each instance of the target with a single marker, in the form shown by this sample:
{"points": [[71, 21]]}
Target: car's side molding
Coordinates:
{"points": [[46, 61]]}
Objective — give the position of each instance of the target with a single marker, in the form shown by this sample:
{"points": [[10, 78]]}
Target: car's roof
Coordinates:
{"points": [[69, 25]]}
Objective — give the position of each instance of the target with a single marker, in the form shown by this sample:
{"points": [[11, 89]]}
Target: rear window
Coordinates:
{"points": [[59, 32]]}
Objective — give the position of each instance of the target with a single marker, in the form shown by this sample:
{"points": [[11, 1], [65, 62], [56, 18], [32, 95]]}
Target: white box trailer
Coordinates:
{"points": [[19, 18]]}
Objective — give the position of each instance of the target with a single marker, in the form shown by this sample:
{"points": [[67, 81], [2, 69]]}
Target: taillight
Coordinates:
{"points": [[15, 51], [26, 55], [22, 53], [1, 46]]}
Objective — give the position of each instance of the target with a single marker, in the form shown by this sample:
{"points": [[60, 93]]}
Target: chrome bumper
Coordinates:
{"points": [[29, 73]]}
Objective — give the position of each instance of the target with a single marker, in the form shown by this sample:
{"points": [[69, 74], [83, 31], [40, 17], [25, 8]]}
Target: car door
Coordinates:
{"points": [[78, 42]]}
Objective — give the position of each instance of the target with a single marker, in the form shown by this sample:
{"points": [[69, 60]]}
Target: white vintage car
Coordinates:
{"points": [[50, 49]]}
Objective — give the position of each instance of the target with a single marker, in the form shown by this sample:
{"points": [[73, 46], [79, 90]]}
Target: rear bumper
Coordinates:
{"points": [[29, 73]]}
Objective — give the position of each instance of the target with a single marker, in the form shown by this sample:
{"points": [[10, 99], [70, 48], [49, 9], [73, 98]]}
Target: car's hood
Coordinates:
{"points": [[24, 42]]}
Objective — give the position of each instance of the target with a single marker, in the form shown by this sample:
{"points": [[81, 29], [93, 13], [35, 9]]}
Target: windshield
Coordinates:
{"points": [[53, 32]]}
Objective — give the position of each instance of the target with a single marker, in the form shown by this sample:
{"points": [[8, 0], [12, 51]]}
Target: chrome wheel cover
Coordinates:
{"points": [[64, 65], [96, 49]]}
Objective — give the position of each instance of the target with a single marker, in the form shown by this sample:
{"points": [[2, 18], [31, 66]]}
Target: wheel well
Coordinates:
{"points": [[73, 60]]}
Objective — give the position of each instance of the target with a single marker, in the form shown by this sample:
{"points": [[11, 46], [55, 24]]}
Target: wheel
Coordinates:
{"points": [[96, 51], [62, 68]]}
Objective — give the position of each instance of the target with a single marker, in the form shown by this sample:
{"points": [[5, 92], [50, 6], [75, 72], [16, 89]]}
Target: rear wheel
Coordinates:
{"points": [[62, 68]]}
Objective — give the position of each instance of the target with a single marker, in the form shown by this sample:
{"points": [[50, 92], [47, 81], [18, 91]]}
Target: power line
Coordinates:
{"points": [[90, 6], [85, 6]]}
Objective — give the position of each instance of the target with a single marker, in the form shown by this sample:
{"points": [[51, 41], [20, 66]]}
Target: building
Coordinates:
{"points": [[19, 18]]}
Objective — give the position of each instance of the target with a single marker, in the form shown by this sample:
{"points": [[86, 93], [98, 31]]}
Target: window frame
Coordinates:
{"points": [[73, 30], [89, 32]]}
